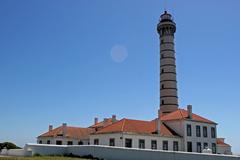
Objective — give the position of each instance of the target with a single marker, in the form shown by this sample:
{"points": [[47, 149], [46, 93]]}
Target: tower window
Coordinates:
{"points": [[162, 56], [162, 102], [162, 71], [162, 86], [162, 41]]}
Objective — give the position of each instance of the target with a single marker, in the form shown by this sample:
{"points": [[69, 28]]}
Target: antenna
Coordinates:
{"points": [[165, 5]]}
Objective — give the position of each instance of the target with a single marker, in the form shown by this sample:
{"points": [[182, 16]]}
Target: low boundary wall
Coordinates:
{"points": [[117, 153], [16, 152]]}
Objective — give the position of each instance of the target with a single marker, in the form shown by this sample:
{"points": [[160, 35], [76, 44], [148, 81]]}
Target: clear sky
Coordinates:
{"points": [[71, 61]]}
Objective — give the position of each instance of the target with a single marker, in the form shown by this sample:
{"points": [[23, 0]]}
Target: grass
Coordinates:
{"points": [[41, 158]]}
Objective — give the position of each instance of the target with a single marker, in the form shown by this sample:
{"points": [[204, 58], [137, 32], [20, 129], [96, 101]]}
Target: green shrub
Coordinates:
{"points": [[37, 155], [8, 145]]}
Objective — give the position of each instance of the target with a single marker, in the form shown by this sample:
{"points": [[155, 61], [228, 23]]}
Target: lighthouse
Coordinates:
{"points": [[168, 79]]}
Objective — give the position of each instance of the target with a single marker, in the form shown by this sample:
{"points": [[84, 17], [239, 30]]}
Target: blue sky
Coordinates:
{"points": [[59, 62]]}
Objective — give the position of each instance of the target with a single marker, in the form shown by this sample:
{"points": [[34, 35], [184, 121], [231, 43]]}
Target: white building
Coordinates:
{"points": [[174, 129], [65, 135], [222, 147]]}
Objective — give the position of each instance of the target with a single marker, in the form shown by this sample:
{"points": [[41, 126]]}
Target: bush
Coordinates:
{"points": [[37, 155], [8, 145], [85, 157]]}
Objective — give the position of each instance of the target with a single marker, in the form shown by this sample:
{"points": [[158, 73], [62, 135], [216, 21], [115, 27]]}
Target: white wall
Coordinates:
{"points": [[104, 139], [114, 153], [117, 153], [224, 150], [15, 152], [44, 149], [120, 140], [63, 139], [194, 139]]}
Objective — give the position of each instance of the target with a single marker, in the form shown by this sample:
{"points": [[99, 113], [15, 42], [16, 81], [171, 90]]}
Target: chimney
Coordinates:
{"points": [[158, 122], [50, 128], [189, 109], [64, 129], [114, 118], [105, 120], [95, 120], [221, 139]]}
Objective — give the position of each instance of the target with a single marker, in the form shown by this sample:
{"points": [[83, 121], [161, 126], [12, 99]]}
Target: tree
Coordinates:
{"points": [[8, 145]]}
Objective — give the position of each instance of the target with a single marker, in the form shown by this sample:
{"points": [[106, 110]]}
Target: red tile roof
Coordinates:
{"points": [[71, 132], [181, 114], [136, 126], [102, 123], [220, 142]]}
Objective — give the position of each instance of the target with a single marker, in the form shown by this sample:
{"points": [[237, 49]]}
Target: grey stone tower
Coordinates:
{"points": [[168, 81]]}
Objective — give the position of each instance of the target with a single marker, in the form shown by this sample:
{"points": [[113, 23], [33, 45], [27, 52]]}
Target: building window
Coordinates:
{"points": [[198, 131], [111, 142], [48, 142], [153, 144], [189, 130], [189, 146], [175, 146], [199, 147], [162, 71], [214, 148], [96, 141], [165, 145], [213, 132], [128, 143], [58, 142], [40, 142], [205, 145], [205, 131], [80, 143], [141, 144], [70, 143], [162, 56]]}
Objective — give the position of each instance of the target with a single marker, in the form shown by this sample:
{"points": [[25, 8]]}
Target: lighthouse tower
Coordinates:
{"points": [[168, 81]]}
